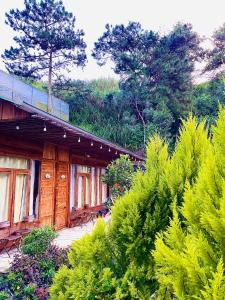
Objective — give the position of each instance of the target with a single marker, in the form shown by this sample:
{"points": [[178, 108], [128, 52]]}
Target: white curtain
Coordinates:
{"points": [[98, 186], [72, 186], [92, 186], [80, 191], [87, 201], [20, 198], [104, 189], [4, 196], [31, 188], [13, 162]]}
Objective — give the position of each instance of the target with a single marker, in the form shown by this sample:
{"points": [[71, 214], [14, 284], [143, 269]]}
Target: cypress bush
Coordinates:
{"points": [[115, 261], [190, 254]]}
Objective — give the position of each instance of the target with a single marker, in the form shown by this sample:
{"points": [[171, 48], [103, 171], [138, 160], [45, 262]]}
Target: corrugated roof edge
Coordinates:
{"points": [[68, 126]]}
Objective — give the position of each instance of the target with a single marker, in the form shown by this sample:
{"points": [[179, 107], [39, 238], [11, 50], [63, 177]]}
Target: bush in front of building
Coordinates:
{"points": [[115, 261], [31, 271], [119, 177], [38, 241], [190, 254]]}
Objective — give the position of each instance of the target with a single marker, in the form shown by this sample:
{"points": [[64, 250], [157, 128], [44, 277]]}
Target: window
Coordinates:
{"points": [[34, 190], [86, 186], [7, 162], [18, 198], [4, 196], [20, 201]]}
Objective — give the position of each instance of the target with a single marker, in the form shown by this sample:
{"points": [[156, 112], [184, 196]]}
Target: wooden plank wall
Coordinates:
{"points": [[8, 111]]}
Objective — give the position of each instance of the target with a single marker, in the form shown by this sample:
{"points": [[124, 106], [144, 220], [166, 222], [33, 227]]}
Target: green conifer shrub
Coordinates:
{"points": [[115, 261], [190, 254]]}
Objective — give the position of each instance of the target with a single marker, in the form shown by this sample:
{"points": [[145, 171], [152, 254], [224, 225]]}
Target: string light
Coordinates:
{"points": [[44, 129], [109, 150], [116, 152], [79, 140], [101, 147], [92, 144], [17, 127], [64, 136]]}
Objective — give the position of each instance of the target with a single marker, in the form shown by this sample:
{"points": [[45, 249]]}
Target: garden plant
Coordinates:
{"points": [[115, 261]]}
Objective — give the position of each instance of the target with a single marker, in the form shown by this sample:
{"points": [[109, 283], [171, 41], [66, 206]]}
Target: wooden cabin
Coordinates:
{"points": [[48, 167]]}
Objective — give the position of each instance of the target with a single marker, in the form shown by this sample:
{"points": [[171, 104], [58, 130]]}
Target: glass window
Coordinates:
{"points": [[13, 163], [4, 196], [20, 198], [80, 191], [34, 188], [83, 169], [72, 186]]}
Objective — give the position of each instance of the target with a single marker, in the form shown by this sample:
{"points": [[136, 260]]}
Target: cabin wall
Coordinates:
{"points": [[8, 111]]}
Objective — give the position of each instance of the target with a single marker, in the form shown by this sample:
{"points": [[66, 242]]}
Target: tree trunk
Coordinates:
{"points": [[50, 102], [142, 121]]}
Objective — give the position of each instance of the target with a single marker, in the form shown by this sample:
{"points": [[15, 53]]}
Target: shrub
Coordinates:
{"points": [[118, 256], [38, 241], [4, 296], [30, 276], [190, 254], [119, 176]]}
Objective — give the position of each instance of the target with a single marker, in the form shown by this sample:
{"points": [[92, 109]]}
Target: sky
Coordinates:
{"points": [[93, 15]]}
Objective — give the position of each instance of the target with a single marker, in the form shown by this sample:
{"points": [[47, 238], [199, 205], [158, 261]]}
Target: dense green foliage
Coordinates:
{"points": [[115, 261], [190, 254], [206, 98], [216, 56], [100, 107], [38, 241], [119, 176], [155, 71], [31, 271]]}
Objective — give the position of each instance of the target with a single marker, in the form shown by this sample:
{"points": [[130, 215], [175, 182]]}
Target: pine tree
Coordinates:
{"points": [[115, 262], [46, 40], [190, 255]]}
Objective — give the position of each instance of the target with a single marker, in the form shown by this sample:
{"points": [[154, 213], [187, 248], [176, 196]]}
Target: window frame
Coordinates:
{"points": [[8, 222], [12, 182]]}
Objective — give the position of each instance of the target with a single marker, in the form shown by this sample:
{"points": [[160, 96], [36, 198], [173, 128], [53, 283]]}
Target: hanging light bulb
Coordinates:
{"points": [[109, 150], [17, 127], [79, 140], [45, 129], [92, 144], [64, 136], [101, 147], [116, 152]]}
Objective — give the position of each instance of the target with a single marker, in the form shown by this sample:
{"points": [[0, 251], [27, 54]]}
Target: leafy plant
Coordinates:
{"points": [[190, 254], [119, 176], [4, 296], [115, 261], [38, 241], [29, 277]]}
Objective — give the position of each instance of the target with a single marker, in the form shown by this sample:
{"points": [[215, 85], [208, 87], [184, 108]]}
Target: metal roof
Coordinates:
{"points": [[14, 90]]}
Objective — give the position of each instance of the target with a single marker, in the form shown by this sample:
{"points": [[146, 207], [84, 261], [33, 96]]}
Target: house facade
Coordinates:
{"points": [[48, 167]]}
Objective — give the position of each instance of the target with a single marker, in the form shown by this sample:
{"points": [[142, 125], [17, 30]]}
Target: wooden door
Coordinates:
{"points": [[47, 193], [62, 195]]}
